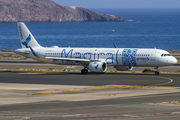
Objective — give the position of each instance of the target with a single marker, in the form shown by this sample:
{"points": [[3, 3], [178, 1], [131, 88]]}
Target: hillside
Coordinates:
{"points": [[49, 11]]}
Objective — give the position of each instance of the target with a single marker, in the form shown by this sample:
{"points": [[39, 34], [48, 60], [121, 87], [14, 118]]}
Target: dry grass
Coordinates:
{"points": [[173, 103], [52, 70], [7, 50], [174, 51], [13, 57], [148, 71]]}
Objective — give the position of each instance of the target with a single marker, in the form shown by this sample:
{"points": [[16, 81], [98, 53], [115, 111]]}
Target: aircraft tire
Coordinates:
{"points": [[156, 73], [84, 71]]}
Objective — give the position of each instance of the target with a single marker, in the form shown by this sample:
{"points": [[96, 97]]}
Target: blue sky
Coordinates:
{"points": [[121, 3]]}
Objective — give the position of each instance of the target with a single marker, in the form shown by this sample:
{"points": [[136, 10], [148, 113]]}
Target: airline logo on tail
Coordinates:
{"points": [[28, 39]]}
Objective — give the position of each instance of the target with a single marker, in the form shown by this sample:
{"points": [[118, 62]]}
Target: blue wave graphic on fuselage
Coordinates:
{"points": [[28, 39], [128, 57]]}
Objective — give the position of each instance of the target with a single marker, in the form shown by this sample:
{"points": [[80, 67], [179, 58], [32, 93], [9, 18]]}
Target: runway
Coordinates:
{"points": [[32, 64], [70, 95], [91, 79]]}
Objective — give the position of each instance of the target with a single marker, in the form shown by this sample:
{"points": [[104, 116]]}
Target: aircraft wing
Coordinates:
{"points": [[72, 59]]}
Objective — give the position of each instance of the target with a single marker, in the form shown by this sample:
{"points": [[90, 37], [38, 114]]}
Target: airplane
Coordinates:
{"points": [[93, 59]]}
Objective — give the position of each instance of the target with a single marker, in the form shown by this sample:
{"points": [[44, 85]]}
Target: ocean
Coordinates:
{"points": [[160, 29]]}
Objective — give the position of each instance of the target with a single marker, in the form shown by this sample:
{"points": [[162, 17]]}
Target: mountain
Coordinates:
{"points": [[49, 11]]}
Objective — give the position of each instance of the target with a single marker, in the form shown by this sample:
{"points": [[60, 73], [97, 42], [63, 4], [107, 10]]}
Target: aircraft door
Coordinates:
{"points": [[153, 53]]}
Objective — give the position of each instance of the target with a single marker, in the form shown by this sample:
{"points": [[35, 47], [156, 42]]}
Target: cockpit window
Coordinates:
{"points": [[165, 55]]}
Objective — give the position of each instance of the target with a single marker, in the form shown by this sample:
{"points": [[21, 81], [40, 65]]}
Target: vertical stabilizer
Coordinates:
{"points": [[27, 39]]}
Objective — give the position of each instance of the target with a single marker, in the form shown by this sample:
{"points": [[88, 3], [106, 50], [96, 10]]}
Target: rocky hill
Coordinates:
{"points": [[49, 11]]}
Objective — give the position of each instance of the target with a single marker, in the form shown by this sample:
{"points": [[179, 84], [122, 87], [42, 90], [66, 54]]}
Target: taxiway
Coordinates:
{"points": [[70, 95]]}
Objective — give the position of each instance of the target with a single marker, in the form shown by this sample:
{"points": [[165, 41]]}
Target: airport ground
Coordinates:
{"points": [[72, 96]]}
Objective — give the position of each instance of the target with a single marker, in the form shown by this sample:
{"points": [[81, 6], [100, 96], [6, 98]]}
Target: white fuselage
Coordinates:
{"points": [[94, 59], [113, 56]]}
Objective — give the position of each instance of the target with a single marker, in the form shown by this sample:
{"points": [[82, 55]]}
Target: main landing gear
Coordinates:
{"points": [[84, 71], [156, 72]]}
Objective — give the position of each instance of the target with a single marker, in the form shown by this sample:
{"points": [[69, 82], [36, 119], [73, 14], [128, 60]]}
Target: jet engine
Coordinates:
{"points": [[123, 68], [98, 67]]}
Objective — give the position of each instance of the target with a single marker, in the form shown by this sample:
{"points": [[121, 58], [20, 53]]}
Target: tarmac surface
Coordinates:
{"points": [[72, 96], [32, 64]]}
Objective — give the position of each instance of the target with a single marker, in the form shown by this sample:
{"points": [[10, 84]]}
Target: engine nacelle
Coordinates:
{"points": [[98, 67], [123, 68]]}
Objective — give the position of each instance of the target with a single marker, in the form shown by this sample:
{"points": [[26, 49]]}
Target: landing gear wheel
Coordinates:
{"points": [[156, 73], [84, 71]]}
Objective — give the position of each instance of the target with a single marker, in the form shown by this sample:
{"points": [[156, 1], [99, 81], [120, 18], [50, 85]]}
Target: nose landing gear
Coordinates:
{"points": [[156, 72]]}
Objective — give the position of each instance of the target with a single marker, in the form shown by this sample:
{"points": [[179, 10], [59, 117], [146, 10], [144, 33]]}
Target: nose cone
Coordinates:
{"points": [[173, 60]]}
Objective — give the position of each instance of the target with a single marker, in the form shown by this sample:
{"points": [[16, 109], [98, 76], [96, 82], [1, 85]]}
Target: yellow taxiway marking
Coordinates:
{"points": [[102, 87], [33, 73]]}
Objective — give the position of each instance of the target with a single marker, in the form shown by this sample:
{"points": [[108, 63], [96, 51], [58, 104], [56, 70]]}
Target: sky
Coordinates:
{"points": [[121, 3]]}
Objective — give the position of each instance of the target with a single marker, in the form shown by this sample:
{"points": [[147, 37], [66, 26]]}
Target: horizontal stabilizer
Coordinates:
{"points": [[19, 52]]}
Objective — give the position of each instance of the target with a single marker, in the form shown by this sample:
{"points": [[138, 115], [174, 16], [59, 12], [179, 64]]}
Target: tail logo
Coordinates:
{"points": [[28, 39]]}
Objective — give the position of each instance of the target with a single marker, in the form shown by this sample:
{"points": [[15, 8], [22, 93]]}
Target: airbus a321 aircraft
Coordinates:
{"points": [[94, 59]]}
